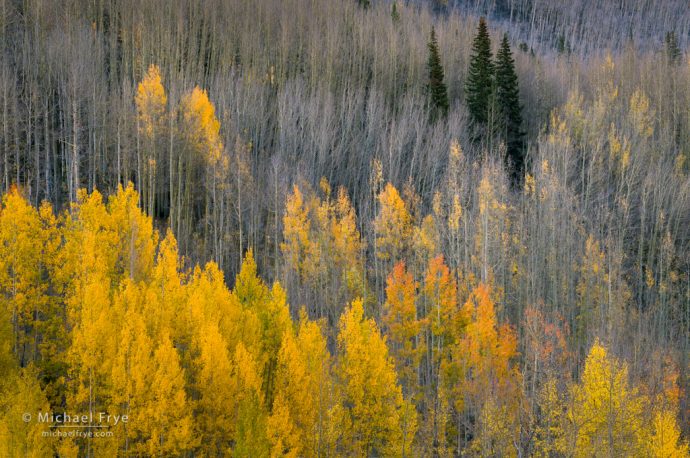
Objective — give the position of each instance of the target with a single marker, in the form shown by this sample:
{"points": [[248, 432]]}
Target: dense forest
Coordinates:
{"points": [[344, 228]]}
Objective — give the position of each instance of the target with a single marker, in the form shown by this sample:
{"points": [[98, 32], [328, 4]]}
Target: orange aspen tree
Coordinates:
{"points": [[439, 309], [489, 383], [403, 327]]}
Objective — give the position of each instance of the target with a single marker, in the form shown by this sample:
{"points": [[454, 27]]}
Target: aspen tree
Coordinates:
{"points": [[372, 402], [169, 288], [21, 394], [250, 437], [136, 239], [393, 226], [403, 326], [665, 440], [131, 374], [150, 101], [296, 232], [167, 405], [303, 366], [27, 246], [606, 411], [216, 404]]}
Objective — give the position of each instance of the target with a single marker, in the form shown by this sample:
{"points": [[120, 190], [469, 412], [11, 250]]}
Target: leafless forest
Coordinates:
{"points": [[324, 115]]}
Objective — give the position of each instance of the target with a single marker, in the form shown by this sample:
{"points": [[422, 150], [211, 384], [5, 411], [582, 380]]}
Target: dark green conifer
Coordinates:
{"points": [[438, 94], [508, 107], [672, 48], [395, 16], [478, 87]]}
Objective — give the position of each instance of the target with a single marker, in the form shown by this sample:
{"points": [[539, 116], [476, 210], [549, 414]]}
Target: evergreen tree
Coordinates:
{"points": [[364, 3], [672, 48], [478, 87], [395, 16], [438, 93], [508, 106]]}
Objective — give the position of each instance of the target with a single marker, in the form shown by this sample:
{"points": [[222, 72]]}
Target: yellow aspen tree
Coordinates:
{"points": [[349, 246], [550, 430], [606, 413], [403, 327], [496, 435], [202, 133], [641, 115], [210, 301], [283, 436], [216, 400], [250, 437], [274, 317], [665, 440], [272, 312], [134, 236], [492, 225], [285, 428], [131, 375], [393, 226], [84, 276], [457, 227], [22, 266], [199, 115], [372, 405], [303, 392], [313, 414], [90, 355], [168, 285], [167, 406], [592, 292], [296, 233], [21, 394], [440, 293], [249, 289], [426, 241], [54, 336], [150, 101], [88, 243]]}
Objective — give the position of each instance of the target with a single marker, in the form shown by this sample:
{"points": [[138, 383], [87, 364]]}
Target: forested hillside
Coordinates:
{"points": [[344, 228]]}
